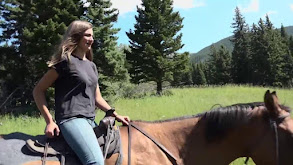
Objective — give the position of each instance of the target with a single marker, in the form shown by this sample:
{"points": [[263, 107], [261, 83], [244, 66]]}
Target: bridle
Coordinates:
{"points": [[274, 125]]}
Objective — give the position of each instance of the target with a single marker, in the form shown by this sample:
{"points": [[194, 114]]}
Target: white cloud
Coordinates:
{"points": [[271, 13], [291, 7], [253, 6], [199, 4], [187, 4], [125, 6]]}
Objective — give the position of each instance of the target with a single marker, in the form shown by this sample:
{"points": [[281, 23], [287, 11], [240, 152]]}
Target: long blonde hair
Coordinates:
{"points": [[72, 36]]}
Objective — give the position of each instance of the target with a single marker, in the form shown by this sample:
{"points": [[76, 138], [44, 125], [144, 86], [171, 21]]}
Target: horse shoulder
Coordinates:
{"points": [[143, 150]]}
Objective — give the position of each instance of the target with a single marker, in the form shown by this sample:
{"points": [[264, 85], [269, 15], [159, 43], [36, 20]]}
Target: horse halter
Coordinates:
{"points": [[274, 125]]}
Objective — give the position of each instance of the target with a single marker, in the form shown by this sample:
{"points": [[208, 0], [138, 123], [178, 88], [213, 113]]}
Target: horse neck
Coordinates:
{"points": [[247, 139], [236, 142], [172, 134]]}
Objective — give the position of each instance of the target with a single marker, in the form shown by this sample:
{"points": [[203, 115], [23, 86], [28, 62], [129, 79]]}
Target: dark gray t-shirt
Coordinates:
{"points": [[75, 88]]}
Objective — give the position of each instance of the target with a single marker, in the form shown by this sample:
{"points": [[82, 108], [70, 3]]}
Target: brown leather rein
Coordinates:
{"points": [[170, 156]]}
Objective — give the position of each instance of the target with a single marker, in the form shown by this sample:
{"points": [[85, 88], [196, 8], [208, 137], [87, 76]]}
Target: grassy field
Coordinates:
{"points": [[185, 101]]}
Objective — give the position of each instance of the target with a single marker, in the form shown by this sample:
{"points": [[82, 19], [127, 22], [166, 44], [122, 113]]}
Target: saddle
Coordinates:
{"points": [[107, 133]]}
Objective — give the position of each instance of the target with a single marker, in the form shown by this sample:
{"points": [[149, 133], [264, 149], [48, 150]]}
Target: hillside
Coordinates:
{"points": [[202, 55]]}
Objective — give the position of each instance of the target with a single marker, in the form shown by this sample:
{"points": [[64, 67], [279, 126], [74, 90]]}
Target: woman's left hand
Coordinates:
{"points": [[123, 119]]}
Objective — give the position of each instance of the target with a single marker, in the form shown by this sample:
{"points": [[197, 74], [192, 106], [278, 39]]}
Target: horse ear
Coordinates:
{"points": [[267, 98], [267, 94], [274, 93], [271, 102]]}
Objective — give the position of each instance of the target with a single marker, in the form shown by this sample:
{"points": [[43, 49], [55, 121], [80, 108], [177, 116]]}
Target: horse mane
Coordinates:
{"points": [[219, 121]]}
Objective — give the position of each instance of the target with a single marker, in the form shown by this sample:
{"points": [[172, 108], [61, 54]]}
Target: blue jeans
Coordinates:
{"points": [[79, 134]]}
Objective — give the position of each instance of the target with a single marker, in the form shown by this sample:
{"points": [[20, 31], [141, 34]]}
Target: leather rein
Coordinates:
{"points": [[273, 124], [170, 156]]}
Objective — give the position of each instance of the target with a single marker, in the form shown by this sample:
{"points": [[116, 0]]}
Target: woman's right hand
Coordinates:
{"points": [[52, 130]]}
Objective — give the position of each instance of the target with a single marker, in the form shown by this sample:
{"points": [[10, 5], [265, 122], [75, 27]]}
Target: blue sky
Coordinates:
{"points": [[208, 21]]}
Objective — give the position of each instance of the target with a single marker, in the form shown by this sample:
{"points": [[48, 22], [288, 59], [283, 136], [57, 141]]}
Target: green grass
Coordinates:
{"points": [[184, 101], [190, 101], [24, 124]]}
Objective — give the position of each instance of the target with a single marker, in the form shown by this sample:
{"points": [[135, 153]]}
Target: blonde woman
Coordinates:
{"points": [[77, 94]]}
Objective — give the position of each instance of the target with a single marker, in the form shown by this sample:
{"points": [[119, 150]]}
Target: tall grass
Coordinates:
{"points": [[183, 101], [190, 101], [23, 123]]}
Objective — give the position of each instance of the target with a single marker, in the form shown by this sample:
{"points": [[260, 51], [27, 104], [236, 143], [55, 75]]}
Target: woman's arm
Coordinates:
{"points": [[40, 99], [100, 102], [104, 106]]}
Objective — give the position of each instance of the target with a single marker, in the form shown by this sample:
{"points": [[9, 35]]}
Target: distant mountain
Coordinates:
{"points": [[202, 55]]}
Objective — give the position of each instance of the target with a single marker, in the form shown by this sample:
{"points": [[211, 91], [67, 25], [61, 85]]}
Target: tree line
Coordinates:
{"points": [[262, 55], [31, 30]]}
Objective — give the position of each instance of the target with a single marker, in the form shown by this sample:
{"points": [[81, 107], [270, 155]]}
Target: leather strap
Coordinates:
{"points": [[276, 142], [273, 124], [170, 156], [45, 153], [129, 144]]}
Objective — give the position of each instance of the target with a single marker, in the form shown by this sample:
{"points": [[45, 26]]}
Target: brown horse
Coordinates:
{"points": [[216, 137]]}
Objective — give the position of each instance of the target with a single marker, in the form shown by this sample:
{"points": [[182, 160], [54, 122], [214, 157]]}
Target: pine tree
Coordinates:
{"points": [[154, 43], [287, 71], [284, 33], [277, 50], [211, 65], [110, 60], [269, 52], [33, 28], [198, 76], [287, 59], [201, 71], [241, 71], [219, 66], [194, 73], [291, 45], [223, 65], [182, 72], [260, 64]]}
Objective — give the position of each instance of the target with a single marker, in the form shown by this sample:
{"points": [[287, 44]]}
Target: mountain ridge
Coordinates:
{"points": [[202, 55]]}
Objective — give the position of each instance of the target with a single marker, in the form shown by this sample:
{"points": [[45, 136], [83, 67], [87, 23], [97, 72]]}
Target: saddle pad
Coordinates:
{"points": [[59, 146]]}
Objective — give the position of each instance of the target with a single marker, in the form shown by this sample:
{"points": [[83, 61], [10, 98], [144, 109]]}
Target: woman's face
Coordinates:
{"points": [[86, 41]]}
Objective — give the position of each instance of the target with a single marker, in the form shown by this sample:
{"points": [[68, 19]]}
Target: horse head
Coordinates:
{"points": [[281, 133]]}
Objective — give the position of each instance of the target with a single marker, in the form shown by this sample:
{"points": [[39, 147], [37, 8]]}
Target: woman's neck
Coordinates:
{"points": [[79, 53]]}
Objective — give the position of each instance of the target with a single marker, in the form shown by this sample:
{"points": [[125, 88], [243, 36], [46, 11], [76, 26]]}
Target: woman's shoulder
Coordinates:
{"points": [[92, 63], [94, 66], [61, 63], [64, 59]]}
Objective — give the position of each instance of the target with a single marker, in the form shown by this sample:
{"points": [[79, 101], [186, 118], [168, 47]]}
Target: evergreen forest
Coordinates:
{"points": [[31, 30]]}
